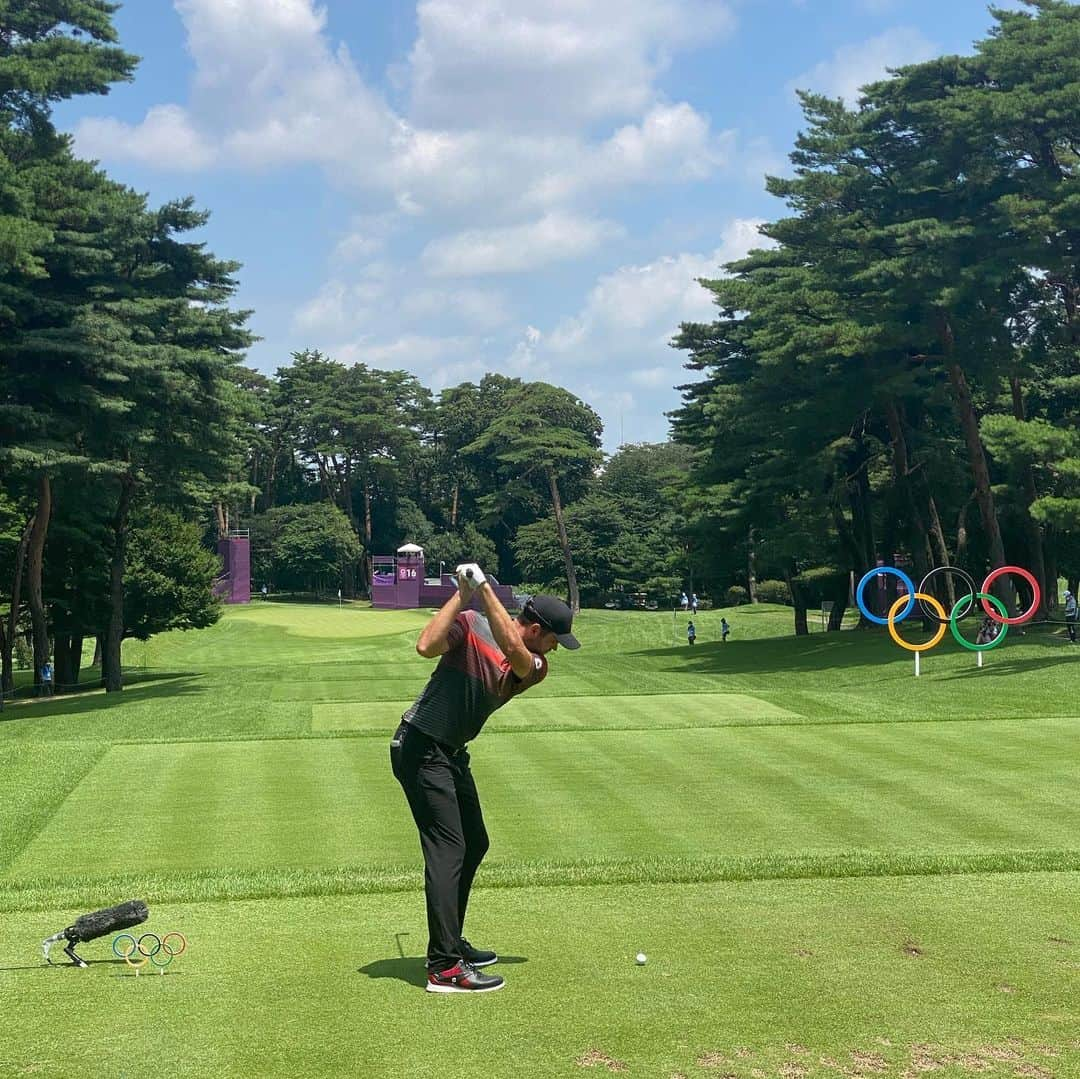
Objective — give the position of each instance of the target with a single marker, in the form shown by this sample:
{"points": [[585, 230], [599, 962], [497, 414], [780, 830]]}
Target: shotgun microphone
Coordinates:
{"points": [[96, 924]]}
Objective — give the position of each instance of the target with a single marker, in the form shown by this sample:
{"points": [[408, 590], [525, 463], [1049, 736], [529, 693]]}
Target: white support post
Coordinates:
{"points": [[980, 655], [917, 654]]}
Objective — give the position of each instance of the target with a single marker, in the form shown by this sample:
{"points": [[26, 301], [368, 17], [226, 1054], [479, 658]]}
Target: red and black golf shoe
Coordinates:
{"points": [[462, 978]]}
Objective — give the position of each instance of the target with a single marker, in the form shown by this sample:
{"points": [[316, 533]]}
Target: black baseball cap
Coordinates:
{"points": [[553, 615]]}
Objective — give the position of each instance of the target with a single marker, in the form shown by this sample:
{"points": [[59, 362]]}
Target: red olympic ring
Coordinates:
{"points": [[987, 586]]}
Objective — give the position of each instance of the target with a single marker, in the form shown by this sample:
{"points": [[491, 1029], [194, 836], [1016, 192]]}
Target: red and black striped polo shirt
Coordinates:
{"points": [[472, 680]]}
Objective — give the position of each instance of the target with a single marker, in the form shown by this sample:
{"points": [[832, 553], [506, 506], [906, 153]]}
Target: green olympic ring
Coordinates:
{"points": [[985, 597]]}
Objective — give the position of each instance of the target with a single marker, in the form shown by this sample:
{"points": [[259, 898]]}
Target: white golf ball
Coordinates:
{"points": [[641, 959]]}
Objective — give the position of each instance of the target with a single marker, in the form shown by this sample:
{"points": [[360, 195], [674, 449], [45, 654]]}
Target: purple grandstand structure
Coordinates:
{"points": [[398, 583], [233, 585]]}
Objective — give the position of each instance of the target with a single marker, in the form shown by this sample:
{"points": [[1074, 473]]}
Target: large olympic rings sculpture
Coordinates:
{"points": [[149, 948], [932, 609]]}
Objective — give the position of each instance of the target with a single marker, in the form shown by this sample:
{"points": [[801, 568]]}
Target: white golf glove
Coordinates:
{"points": [[470, 575]]}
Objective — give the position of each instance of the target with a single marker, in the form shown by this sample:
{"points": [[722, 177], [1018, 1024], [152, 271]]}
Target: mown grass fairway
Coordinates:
{"points": [[834, 869]]}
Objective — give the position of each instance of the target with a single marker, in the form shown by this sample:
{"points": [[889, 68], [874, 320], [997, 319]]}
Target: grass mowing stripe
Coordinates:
{"points": [[49, 893], [38, 777], [646, 711], [720, 792]]}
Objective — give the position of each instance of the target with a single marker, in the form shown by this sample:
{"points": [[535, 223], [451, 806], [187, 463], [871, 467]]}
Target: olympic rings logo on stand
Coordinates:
{"points": [[932, 609], [149, 948]]}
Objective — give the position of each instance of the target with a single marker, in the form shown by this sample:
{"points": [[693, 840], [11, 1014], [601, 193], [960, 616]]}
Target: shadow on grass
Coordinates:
{"points": [[138, 686], [818, 651], [997, 665], [61, 966], [846, 650], [411, 969]]}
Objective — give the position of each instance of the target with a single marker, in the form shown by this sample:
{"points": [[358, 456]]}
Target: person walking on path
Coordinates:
{"points": [[691, 632], [1070, 615], [683, 601], [46, 679], [485, 659], [725, 629], [693, 603]]}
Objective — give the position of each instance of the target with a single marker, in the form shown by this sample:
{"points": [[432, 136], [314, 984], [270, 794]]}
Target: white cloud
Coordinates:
{"points": [[166, 139], [551, 64], [853, 66], [503, 93], [382, 294], [553, 238], [614, 353], [638, 308]]}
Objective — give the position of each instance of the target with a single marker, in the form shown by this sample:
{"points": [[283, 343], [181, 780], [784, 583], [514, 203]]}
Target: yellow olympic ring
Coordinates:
{"points": [[133, 956], [938, 610]]}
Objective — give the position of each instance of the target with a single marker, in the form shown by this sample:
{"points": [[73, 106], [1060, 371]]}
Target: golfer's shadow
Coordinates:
{"points": [[411, 968]]}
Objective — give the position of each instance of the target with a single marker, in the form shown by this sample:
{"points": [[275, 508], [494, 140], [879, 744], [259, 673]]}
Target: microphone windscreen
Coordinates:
{"points": [[111, 919]]}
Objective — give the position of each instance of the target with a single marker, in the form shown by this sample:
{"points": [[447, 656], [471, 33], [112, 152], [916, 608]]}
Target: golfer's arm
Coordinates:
{"points": [[506, 636], [432, 641]]}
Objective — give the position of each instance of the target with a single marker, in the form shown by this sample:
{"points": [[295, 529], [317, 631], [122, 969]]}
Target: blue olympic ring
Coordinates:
{"points": [[904, 579]]}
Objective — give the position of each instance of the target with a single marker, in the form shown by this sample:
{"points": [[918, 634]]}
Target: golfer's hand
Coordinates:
{"points": [[465, 589], [469, 573]]}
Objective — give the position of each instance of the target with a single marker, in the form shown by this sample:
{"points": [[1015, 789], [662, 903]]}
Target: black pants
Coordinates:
{"points": [[1070, 625], [442, 796]]}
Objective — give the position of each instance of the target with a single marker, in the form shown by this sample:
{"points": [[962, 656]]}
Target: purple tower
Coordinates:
{"points": [[234, 584]]}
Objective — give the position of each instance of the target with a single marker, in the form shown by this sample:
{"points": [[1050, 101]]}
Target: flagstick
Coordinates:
{"points": [[916, 664], [980, 655]]}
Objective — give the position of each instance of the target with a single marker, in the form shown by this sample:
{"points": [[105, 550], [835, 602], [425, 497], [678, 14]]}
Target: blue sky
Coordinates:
{"points": [[461, 186]]}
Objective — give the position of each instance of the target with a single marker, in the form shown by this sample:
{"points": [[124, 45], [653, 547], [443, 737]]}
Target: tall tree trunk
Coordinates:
{"points": [[1032, 529], [980, 470], [454, 504], [564, 543], [1050, 550], [68, 660], [751, 569], [7, 679], [35, 562], [937, 534], [367, 515], [99, 650], [921, 553], [222, 524], [798, 600], [111, 674], [838, 593], [962, 529], [346, 491]]}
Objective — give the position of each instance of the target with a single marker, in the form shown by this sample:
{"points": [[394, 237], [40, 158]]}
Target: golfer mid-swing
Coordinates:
{"points": [[484, 662]]}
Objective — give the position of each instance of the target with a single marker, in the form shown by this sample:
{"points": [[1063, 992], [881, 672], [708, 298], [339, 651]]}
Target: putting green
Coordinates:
{"points": [[575, 796], [591, 713], [896, 977]]}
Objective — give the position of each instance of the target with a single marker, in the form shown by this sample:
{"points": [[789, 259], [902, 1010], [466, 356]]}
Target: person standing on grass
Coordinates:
{"points": [[485, 659], [693, 603], [684, 601], [725, 629], [1070, 615], [691, 633], [47, 679]]}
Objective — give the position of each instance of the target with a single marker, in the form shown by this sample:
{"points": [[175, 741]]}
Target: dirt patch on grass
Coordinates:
{"points": [[594, 1058], [912, 948], [1008, 1058], [712, 1060], [869, 1062]]}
